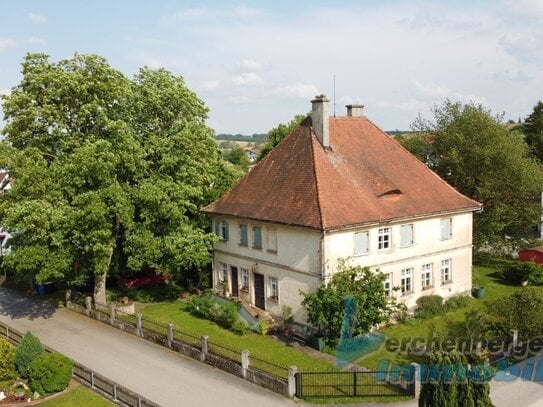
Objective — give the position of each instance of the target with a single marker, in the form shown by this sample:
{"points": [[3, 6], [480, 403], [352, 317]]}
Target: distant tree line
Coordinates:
{"points": [[259, 138]]}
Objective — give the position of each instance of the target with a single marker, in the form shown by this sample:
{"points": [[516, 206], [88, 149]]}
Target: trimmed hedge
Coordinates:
{"points": [[50, 373], [29, 349], [520, 272], [432, 305]]}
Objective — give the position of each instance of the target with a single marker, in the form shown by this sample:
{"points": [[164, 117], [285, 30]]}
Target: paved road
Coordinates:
{"points": [[156, 373]]}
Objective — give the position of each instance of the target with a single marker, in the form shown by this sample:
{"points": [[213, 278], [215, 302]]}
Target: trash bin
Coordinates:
{"points": [[478, 291], [318, 342], [40, 289]]}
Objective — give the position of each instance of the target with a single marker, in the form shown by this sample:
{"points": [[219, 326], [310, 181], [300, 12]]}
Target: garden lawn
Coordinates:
{"points": [[487, 276], [258, 345], [78, 396]]}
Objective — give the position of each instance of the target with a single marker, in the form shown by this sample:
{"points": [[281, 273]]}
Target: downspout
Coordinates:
{"points": [[322, 259]]}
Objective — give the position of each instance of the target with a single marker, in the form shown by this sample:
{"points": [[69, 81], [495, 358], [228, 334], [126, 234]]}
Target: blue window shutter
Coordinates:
{"points": [[243, 235], [226, 231], [360, 243], [257, 237], [217, 227]]}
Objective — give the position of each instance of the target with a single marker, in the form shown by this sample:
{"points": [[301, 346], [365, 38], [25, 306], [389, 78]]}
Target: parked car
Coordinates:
{"points": [[142, 280]]}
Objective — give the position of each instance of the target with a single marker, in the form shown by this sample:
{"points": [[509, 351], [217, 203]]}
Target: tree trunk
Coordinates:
{"points": [[100, 275]]}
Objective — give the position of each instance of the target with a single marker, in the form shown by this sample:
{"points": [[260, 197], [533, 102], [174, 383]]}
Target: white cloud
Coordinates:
{"points": [[247, 79], [209, 85], [154, 63], [37, 18], [211, 14], [35, 40], [5, 92], [299, 90], [250, 65], [7, 43], [429, 90]]}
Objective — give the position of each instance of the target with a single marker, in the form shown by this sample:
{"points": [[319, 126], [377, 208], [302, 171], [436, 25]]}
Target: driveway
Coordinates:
{"points": [[156, 373]]}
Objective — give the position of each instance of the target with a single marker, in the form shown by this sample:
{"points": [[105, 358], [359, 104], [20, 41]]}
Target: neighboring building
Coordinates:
{"points": [[533, 254], [339, 187], [252, 153]]}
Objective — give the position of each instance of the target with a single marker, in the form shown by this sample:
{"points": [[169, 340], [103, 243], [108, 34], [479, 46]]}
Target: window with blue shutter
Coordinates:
{"points": [[361, 243], [257, 237], [243, 238]]}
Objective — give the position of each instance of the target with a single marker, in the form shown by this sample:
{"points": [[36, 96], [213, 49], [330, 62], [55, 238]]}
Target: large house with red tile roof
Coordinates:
{"points": [[336, 188]]}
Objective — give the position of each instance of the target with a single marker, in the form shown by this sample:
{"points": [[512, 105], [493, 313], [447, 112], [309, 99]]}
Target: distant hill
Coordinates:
{"points": [[258, 138]]}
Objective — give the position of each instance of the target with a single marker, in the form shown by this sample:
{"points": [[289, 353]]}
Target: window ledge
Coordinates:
{"points": [[448, 282], [243, 245], [428, 287], [272, 251], [257, 248], [446, 238], [275, 299], [406, 246], [360, 254], [408, 293], [244, 289]]}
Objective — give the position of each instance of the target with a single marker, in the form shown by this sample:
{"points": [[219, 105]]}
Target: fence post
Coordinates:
{"points": [[244, 363], [88, 305], [203, 347], [68, 297], [114, 392], [112, 314], [7, 331], [92, 379], [355, 377], [139, 326], [416, 384], [292, 370], [169, 337]]}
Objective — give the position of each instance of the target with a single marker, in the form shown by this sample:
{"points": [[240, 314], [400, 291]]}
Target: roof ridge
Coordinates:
{"points": [[313, 163]]}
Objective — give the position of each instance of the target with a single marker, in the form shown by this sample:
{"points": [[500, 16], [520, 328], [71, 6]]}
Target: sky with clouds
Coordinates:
{"points": [[257, 64]]}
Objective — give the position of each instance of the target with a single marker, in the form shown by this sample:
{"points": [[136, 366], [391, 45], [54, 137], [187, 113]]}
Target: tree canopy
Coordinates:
{"points": [[475, 153], [277, 134], [110, 172], [533, 130], [326, 306]]}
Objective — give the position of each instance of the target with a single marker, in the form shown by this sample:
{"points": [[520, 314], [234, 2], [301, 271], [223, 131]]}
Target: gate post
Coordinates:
{"points": [[292, 388], [169, 335], [244, 363], [203, 347], [416, 384], [88, 305]]}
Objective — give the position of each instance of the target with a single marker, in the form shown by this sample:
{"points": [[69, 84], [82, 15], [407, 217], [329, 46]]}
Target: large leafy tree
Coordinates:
{"points": [[533, 130], [355, 296], [476, 154], [109, 172]]}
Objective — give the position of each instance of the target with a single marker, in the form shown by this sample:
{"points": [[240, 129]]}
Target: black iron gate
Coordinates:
{"points": [[347, 384]]}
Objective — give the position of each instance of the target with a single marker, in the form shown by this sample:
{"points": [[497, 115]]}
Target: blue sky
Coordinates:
{"points": [[257, 64]]}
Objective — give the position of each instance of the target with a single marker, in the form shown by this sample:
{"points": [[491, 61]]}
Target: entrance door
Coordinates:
{"points": [[260, 296], [234, 280]]}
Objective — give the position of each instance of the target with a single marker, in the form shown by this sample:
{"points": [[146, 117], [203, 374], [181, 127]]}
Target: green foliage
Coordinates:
{"points": [[7, 360], [518, 273], [262, 327], [418, 144], [478, 156], [29, 349], [454, 303], [238, 157], [533, 130], [456, 380], [325, 306], [224, 314], [50, 373], [155, 293], [521, 310], [277, 134], [111, 172], [429, 305]]}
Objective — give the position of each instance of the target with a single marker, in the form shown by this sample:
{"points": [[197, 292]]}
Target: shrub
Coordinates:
{"points": [[50, 373], [429, 305], [453, 303], [28, 350], [262, 327], [519, 272], [225, 315], [7, 360], [241, 327]]}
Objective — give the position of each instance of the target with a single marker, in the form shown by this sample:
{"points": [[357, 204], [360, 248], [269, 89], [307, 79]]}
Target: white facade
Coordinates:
{"points": [[431, 255]]}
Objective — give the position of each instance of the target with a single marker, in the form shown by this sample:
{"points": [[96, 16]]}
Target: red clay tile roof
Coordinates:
{"points": [[364, 177]]}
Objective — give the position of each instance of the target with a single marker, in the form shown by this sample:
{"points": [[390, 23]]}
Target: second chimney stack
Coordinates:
{"points": [[355, 110]]}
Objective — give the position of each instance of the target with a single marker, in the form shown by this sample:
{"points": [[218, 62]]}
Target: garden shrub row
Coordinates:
{"points": [[225, 315], [432, 305]]}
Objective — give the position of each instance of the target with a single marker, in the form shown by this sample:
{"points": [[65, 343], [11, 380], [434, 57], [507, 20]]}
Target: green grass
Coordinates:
{"points": [[259, 345], [79, 396], [487, 276]]}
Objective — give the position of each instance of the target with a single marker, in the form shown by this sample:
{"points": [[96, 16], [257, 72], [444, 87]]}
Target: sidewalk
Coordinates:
{"points": [[154, 372]]}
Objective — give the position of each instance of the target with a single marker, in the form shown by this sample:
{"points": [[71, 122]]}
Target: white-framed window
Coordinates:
{"points": [[274, 288], [223, 272], [446, 228], [244, 279], [406, 235], [221, 229], [406, 283], [243, 235], [383, 239], [272, 239], [446, 271], [361, 243], [388, 284], [257, 237], [426, 276]]}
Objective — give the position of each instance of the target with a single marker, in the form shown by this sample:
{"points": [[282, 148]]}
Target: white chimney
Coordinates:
{"points": [[355, 110], [319, 119]]}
